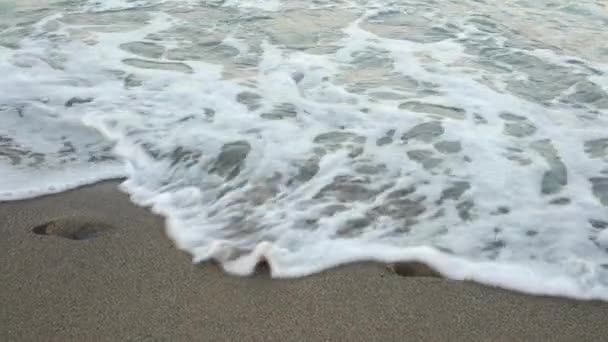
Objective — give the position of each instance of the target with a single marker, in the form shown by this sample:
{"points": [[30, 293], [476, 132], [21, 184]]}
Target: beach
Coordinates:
{"points": [[307, 135], [129, 283]]}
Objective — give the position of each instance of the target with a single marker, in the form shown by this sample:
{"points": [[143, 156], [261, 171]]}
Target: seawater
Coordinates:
{"points": [[466, 134]]}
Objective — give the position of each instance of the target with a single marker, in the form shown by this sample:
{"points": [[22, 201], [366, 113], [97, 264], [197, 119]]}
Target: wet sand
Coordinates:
{"points": [[127, 282]]}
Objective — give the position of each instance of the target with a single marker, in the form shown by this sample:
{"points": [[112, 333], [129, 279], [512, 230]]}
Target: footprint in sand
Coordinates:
{"points": [[413, 269], [73, 228]]}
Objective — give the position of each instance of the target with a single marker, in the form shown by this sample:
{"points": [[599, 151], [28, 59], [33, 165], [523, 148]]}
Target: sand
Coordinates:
{"points": [[127, 282]]}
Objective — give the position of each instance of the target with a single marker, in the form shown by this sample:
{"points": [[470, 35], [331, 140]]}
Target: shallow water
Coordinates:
{"points": [[312, 133]]}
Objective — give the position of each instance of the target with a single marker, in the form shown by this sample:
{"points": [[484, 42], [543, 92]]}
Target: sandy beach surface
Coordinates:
{"points": [[127, 282]]}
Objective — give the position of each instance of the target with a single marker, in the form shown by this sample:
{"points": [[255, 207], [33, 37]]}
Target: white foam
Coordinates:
{"points": [[117, 5], [266, 5], [183, 96]]}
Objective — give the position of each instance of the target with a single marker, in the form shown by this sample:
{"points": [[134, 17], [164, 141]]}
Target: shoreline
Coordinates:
{"points": [[129, 282]]}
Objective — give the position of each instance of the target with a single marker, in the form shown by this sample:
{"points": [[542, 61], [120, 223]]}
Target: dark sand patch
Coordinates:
{"points": [[414, 269], [73, 228]]}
